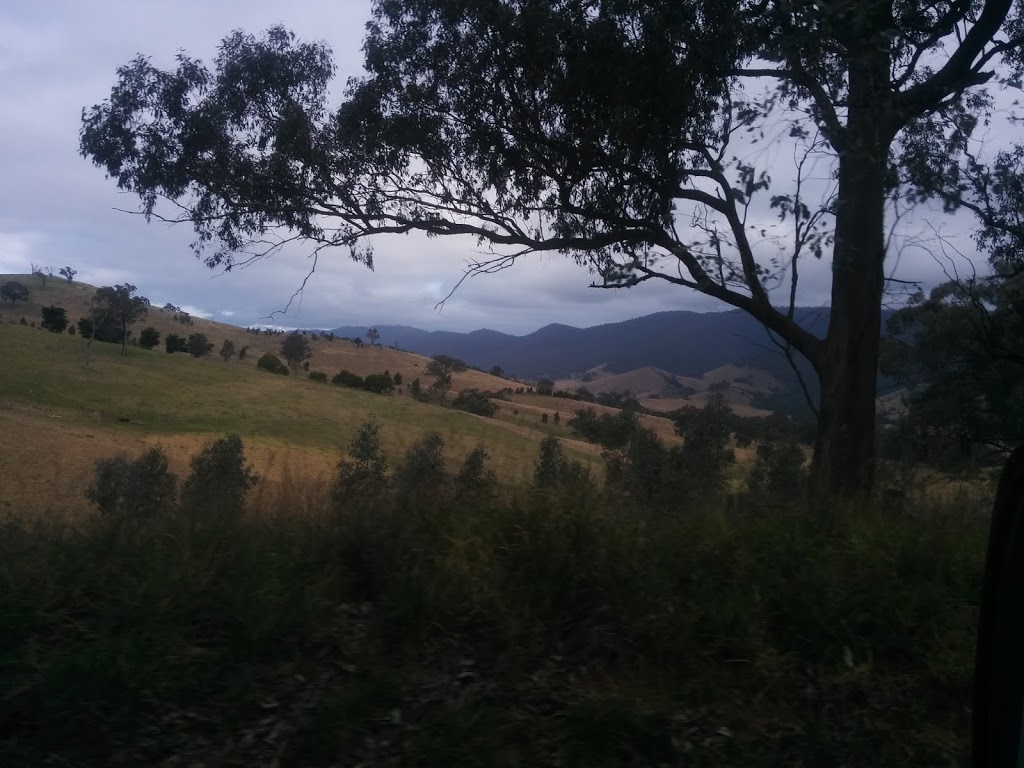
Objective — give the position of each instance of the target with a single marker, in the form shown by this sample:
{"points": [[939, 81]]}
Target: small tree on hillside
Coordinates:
{"points": [[39, 273], [415, 389], [175, 343], [497, 371], [149, 337], [55, 319], [422, 479], [442, 368], [119, 304], [295, 349], [141, 489], [243, 352], [13, 292], [545, 387], [218, 481], [85, 327], [227, 350], [374, 336], [68, 273], [363, 477], [199, 345]]}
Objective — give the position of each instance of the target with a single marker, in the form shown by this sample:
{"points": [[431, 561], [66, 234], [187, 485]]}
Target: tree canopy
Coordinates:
{"points": [[118, 306], [14, 291], [616, 132]]}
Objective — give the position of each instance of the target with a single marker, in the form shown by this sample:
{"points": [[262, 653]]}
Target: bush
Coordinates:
{"points": [[271, 364], [553, 470], [422, 478], [380, 383], [243, 352], [149, 337], [778, 472], [363, 478], [475, 481], [174, 343], [415, 389], [347, 379], [318, 376], [139, 489], [55, 319], [544, 418], [199, 345], [397, 378], [218, 480], [474, 401]]}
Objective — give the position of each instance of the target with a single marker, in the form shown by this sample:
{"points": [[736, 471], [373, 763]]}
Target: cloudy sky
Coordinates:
{"points": [[57, 209]]}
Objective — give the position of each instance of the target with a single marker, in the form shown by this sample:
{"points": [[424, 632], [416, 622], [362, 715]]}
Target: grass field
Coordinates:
{"points": [[59, 416]]}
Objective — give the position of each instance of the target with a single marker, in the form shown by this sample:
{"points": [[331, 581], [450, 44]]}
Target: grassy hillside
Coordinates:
{"points": [[58, 416]]}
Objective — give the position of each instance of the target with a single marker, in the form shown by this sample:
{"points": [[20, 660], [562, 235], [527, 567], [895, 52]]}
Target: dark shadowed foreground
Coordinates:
{"points": [[434, 620]]}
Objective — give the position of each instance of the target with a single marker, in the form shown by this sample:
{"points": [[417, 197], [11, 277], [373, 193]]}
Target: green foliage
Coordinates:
{"points": [[415, 390], [610, 430], [199, 345], [118, 306], [55, 319], [421, 479], [243, 352], [362, 479], [85, 327], [174, 343], [442, 368], [475, 481], [554, 470], [14, 291], [348, 379], [125, 489], [149, 338], [705, 455], [381, 383], [295, 349], [219, 479], [271, 364], [397, 379], [475, 401], [68, 273], [227, 350], [778, 472], [318, 376]]}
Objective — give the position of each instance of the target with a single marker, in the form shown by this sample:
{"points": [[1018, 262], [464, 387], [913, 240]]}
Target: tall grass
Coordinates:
{"points": [[559, 628]]}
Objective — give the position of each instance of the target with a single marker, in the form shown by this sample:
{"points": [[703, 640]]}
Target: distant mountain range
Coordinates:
{"points": [[683, 343]]}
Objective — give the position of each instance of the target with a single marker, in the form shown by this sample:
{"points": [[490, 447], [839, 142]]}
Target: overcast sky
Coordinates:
{"points": [[57, 209]]}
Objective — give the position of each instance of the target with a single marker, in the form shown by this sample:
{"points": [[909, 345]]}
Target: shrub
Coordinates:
{"points": [[272, 364], [295, 349], [554, 470], [347, 379], [55, 319], [139, 489], [422, 476], [175, 343], [318, 376], [778, 472], [199, 345], [415, 389], [397, 378], [475, 480], [612, 431], [218, 480], [243, 352], [380, 383], [227, 350], [558, 418], [474, 401], [544, 418], [363, 478], [71, 330], [149, 337]]}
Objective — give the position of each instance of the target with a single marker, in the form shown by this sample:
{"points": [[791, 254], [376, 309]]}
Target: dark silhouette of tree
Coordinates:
{"points": [[199, 345], [374, 336], [227, 350], [545, 387], [120, 305], [295, 349], [85, 327], [13, 291], [55, 319], [68, 273], [39, 273], [149, 337], [608, 133], [442, 367], [175, 343], [497, 371]]}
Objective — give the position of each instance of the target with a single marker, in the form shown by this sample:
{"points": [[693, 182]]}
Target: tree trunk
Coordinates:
{"points": [[844, 452]]}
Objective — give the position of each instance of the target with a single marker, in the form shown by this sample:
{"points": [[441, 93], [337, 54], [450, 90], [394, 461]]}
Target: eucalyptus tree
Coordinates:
{"points": [[616, 132]]}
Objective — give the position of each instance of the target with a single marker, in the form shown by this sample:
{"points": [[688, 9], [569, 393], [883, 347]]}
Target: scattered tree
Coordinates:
{"points": [[12, 291], [149, 337], [295, 349], [374, 336], [219, 479], [272, 364], [442, 368], [415, 389], [39, 273], [71, 330], [497, 371], [174, 343], [422, 480], [475, 401], [119, 304], [475, 481], [243, 352], [318, 376], [227, 350], [55, 319], [85, 327], [397, 378], [68, 273], [199, 345], [141, 489], [544, 418], [347, 379], [363, 478], [381, 383], [545, 387]]}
